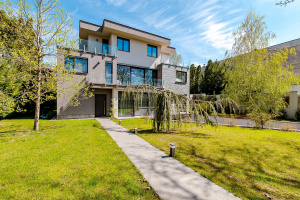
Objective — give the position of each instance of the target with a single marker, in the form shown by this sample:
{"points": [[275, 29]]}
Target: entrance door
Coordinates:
{"points": [[100, 105]]}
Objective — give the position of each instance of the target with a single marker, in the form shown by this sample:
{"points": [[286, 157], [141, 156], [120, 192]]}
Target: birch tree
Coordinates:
{"points": [[258, 78], [52, 33]]}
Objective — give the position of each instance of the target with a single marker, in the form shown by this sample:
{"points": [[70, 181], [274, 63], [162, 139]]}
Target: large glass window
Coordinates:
{"points": [[81, 64], [152, 51], [123, 44], [123, 73], [131, 75], [181, 76], [125, 106], [137, 76], [108, 72]]}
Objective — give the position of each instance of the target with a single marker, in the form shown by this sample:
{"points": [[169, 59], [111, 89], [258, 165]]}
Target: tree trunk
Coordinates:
{"points": [[39, 65], [37, 103], [37, 115]]}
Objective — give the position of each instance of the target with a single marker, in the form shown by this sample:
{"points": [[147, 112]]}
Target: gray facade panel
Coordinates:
{"points": [[168, 75]]}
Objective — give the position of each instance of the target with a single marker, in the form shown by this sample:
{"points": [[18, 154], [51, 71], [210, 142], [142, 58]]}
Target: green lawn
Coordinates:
{"points": [[251, 163], [70, 159]]}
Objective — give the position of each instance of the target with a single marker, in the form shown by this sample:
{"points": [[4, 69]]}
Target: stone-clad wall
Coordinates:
{"points": [[167, 73]]}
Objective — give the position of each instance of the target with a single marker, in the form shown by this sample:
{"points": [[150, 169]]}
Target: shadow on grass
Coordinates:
{"points": [[253, 177]]}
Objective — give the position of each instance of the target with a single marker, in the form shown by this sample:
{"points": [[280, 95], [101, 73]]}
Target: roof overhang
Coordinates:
{"points": [[110, 27]]}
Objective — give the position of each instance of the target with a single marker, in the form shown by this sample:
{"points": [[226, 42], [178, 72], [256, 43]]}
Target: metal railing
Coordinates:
{"points": [[97, 48]]}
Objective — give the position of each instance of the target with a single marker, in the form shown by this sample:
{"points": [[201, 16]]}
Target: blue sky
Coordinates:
{"points": [[199, 29]]}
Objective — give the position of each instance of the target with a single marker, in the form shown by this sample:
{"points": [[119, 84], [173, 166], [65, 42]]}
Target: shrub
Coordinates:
{"points": [[283, 114], [297, 115]]}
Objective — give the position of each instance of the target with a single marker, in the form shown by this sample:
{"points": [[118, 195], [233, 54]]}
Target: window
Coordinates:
{"points": [[123, 44], [108, 72], [127, 75], [81, 64], [137, 76], [287, 101], [151, 51], [123, 73], [181, 77]]}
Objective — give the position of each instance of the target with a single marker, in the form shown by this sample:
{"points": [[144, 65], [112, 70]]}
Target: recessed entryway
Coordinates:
{"points": [[100, 105]]}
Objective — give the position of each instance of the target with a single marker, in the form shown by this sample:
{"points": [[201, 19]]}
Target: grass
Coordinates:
{"points": [[70, 159], [250, 163]]}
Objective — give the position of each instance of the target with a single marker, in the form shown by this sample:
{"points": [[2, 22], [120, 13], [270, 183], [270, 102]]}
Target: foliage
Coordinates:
{"points": [[112, 111], [297, 114], [284, 3], [51, 26], [11, 78], [250, 163], [55, 163], [214, 79], [168, 108], [258, 77], [176, 59], [282, 114], [195, 79]]}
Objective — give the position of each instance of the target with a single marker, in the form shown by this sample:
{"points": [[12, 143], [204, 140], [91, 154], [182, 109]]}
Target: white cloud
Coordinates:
{"points": [[137, 5], [116, 2]]}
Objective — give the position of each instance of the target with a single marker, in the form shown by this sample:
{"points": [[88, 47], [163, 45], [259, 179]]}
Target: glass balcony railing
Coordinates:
{"points": [[101, 79], [154, 82], [97, 47]]}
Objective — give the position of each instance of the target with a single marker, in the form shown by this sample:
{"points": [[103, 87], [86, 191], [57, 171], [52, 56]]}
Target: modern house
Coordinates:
{"points": [[113, 56], [293, 98]]}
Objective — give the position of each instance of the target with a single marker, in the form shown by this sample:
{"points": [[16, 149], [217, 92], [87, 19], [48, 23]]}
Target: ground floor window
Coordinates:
{"points": [[128, 108]]}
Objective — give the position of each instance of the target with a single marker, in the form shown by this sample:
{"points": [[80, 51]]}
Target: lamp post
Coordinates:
{"points": [[172, 149], [135, 130], [120, 122]]}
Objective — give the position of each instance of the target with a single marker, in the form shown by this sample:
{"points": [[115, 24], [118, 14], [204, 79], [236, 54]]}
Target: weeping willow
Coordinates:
{"points": [[167, 108]]}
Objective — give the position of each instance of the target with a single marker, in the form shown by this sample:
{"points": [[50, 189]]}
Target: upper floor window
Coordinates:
{"points": [[181, 76], [81, 64], [108, 72], [152, 51], [123, 44]]}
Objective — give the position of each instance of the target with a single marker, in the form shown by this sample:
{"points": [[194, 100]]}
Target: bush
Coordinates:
{"points": [[283, 114], [297, 115]]}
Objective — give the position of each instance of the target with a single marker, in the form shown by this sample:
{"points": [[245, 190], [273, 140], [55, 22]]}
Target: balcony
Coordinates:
{"points": [[102, 81], [97, 48], [154, 82]]}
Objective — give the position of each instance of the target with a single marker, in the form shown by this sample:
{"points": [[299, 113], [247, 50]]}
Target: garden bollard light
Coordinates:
{"points": [[135, 130], [172, 150], [120, 122], [111, 117]]}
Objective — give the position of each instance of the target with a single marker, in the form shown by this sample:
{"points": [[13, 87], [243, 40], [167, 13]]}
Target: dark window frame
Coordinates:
{"points": [[182, 72], [111, 72], [73, 67], [123, 39], [151, 46]]}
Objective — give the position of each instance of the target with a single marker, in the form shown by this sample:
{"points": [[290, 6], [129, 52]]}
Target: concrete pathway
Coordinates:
{"points": [[167, 176]]}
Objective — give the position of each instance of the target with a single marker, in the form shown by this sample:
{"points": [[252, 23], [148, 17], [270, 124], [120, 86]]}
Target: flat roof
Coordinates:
{"points": [[290, 43], [122, 29], [135, 29]]}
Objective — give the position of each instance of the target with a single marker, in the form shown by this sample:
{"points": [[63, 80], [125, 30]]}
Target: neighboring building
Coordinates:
{"points": [[113, 56], [293, 99]]}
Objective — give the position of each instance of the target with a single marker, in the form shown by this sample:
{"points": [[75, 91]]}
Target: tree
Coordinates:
{"points": [[284, 3], [12, 29], [195, 79], [176, 59], [52, 26], [214, 79], [168, 108], [192, 79], [258, 78]]}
